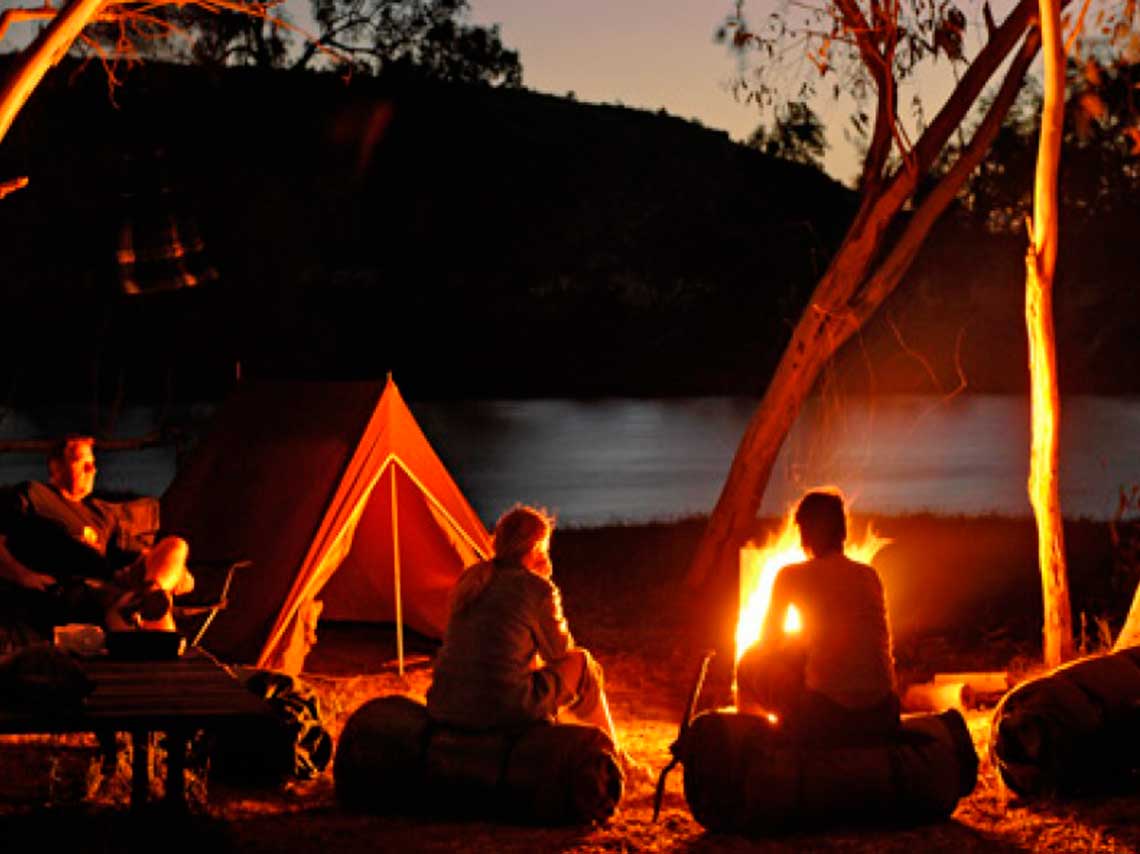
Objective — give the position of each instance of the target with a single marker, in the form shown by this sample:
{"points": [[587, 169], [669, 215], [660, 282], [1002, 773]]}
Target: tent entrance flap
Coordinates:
{"points": [[330, 533], [430, 558]]}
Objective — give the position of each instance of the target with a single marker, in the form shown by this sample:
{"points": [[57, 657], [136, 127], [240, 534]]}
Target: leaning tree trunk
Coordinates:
{"points": [[32, 63], [1040, 264], [861, 275]]}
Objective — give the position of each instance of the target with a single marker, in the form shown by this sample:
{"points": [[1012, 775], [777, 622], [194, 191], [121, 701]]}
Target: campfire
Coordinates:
{"points": [[760, 564]]}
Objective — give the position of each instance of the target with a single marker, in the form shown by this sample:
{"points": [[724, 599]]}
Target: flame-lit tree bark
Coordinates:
{"points": [[130, 20], [868, 265], [432, 37], [1045, 403], [48, 48]]}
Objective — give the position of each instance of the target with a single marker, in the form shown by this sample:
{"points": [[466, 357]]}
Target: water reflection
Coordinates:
{"points": [[147, 471], [594, 462]]}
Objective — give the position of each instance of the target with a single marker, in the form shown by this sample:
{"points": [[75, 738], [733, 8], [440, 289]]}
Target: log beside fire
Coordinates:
{"points": [[934, 697], [959, 691], [981, 683]]}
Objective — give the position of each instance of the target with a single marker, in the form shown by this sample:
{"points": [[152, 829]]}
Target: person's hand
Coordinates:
{"points": [[38, 581]]}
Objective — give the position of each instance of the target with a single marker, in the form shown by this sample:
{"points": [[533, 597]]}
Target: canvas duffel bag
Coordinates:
{"points": [[1074, 731], [741, 776], [392, 759]]}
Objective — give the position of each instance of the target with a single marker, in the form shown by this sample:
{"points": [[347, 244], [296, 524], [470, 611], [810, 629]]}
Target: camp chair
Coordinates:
{"points": [[194, 615], [192, 612], [195, 611]]}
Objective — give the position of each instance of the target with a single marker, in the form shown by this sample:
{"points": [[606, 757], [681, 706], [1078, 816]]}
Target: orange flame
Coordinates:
{"points": [[759, 566]]}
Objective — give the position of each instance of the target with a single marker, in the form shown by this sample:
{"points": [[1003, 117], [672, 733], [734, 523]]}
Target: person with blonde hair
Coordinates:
{"points": [[508, 657]]}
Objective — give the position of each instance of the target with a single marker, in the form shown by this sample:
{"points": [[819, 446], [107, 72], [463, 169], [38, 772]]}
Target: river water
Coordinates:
{"points": [[635, 460]]}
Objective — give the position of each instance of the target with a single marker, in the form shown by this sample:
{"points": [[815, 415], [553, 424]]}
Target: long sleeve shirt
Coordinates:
{"points": [[484, 674]]}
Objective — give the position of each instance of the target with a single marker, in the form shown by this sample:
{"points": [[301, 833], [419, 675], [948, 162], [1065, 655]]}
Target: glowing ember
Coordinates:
{"points": [[759, 566]]}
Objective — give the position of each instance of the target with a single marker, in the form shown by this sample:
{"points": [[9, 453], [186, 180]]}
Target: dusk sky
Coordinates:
{"points": [[653, 55], [656, 56], [641, 55], [664, 55]]}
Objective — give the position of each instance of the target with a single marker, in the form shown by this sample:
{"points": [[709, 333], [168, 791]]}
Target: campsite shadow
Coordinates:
{"points": [[349, 832], [951, 837], [110, 831], [1111, 818], [356, 649]]}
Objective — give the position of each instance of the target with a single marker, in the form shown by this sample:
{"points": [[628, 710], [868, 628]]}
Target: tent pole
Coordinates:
{"points": [[396, 580]]}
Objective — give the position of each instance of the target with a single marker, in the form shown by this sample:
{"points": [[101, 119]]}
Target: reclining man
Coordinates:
{"points": [[61, 559], [833, 679]]}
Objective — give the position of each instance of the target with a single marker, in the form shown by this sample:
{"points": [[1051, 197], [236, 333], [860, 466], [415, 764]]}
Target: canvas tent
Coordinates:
{"points": [[334, 493]]}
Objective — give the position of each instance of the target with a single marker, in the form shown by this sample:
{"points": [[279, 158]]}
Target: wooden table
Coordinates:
{"points": [[178, 697]]}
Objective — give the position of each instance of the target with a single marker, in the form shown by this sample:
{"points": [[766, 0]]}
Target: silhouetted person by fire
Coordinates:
{"points": [[61, 558], [508, 657], [823, 664]]}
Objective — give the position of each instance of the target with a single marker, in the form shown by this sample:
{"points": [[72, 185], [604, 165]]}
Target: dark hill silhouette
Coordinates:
{"points": [[478, 242]]}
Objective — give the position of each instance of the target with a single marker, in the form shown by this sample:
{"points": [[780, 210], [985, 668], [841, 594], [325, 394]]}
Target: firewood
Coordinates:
{"points": [[937, 697], [980, 682]]}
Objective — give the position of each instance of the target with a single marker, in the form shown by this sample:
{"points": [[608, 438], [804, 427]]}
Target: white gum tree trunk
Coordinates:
{"points": [[1045, 403]]}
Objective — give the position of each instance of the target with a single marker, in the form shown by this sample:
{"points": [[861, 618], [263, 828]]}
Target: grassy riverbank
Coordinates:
{"points": [[963, 593], [957, 586]]}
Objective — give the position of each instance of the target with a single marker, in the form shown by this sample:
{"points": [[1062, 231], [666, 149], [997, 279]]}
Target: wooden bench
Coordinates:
{"points": [[179, 698]]}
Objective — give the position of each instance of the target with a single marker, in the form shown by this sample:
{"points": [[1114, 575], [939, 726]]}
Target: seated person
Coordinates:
{"points": [[832, 680], [508, 657], [61, 559]]}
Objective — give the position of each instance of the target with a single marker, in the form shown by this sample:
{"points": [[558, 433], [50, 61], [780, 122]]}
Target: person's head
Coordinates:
{"points": [[822, 521], [522, 535], [71, 466]]}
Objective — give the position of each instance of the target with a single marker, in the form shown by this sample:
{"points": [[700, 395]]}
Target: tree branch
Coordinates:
{"points": [[66, 25], [879, 210], [47, 13], [974, 80], [878, 64], [1077, 27], [1045, 227], [857, 25], [12, 185], [329, 41], [17, 16], [880, 147], [44, 52], [899, 259]]}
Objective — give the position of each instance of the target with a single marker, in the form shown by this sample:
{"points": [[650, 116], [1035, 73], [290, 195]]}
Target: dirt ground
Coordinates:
{"points": [[625, 600]]}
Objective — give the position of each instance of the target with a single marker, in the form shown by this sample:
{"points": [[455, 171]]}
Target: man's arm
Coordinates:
{"points": [[14, 571]]}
